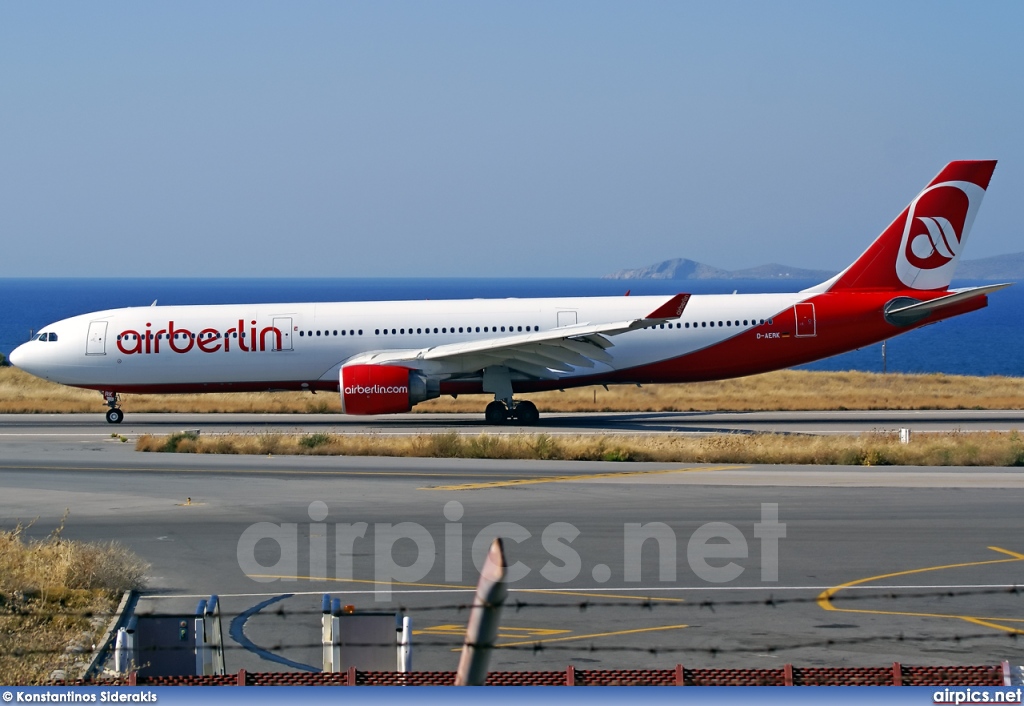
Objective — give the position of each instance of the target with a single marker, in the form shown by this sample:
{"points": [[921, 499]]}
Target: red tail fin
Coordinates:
{"points": [[920, 249]]}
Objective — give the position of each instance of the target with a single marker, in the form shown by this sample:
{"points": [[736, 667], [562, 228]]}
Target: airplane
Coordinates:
{"points": [[385, 357]]}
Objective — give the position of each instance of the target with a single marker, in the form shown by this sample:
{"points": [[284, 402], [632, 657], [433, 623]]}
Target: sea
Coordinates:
{"points": [[985, 342]]}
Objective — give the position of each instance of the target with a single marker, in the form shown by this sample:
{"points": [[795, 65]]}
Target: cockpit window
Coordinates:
{"points": [[53, 336], [41, 337]]}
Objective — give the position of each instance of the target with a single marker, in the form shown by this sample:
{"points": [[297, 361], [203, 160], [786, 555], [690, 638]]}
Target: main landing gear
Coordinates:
{"points": [[114, 414], [499, 412], [498, 380]]}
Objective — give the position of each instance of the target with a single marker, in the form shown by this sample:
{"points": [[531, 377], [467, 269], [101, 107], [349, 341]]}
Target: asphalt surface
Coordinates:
{"points": [[919, 561], [84, 426]]}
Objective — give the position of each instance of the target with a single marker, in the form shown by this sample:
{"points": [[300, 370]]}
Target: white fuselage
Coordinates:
{"points": [[304, 345]]}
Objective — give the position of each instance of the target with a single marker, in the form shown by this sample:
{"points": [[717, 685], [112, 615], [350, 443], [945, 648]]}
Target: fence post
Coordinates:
{"points": [[241, 677], [336, 634], [404, 642], [121, 651], [202, 657], [215, 636], [570, 676], [1013, 674], [787, 672], [483, 619], [897, 674], [325, 633], [680, 675]]}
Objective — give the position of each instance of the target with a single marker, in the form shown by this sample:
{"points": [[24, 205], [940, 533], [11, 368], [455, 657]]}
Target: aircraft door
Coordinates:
{"points": [[805, 323], [284, 325], [566, 318], [96, 343]]}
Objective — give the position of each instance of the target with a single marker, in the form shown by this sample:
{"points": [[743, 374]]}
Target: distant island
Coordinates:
{"points": [[1004, 268]]}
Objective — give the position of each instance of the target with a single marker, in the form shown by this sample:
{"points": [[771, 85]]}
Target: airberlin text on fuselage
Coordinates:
{"points": [[208, 340]]}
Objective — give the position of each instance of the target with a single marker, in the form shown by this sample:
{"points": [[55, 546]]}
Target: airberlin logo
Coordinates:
{"points": [[174, 339], [936, 227], [376, 390]]}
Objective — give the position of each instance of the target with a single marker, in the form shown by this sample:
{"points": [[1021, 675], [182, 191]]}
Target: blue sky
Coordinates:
{"points": [[491, 139]]}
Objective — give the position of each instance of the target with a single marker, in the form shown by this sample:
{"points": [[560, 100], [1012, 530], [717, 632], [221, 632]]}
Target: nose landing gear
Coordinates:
{"points": [[114, 414]]}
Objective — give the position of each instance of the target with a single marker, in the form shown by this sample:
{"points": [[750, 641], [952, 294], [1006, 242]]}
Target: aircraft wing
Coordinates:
{"points": [[540, 354]]}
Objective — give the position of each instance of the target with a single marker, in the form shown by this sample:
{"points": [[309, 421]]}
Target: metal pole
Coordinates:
{"points": [[216, 637], [200, 638], [483, 619], [121, 652], [325, 633], [336, 634], [404, 643], [884, 362], [131, 644]]}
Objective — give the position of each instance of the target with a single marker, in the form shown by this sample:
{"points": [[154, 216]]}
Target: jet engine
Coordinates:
{"points": [[384, 389]]}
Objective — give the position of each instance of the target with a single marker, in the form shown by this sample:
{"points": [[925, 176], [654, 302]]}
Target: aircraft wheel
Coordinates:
{"points": [[526, 413], [496, 413], [114, 415]]}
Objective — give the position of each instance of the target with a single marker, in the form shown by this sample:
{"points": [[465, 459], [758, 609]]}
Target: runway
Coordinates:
{"points": [[624, 565], [26, 428]]}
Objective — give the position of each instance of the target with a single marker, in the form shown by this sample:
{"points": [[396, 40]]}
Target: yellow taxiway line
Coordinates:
{"points": [[825, 599], [577, 478]]}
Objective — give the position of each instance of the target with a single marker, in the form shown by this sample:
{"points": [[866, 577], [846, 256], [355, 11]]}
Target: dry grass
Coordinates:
{"points": [[55, 597], [781, 390], [878, 449]]}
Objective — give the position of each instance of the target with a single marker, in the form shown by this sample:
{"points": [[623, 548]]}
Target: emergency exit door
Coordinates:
{"points": [[805, 323], [97, 342]]}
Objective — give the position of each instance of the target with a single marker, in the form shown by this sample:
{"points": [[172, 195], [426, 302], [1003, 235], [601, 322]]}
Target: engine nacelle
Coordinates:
{"points": [[383, 389]]}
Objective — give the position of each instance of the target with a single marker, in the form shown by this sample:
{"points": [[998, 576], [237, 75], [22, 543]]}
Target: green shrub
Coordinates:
{"points": [[177, 442], [311, 441]]}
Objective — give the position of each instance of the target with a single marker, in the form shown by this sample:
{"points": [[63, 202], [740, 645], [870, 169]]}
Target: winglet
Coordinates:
{"points": [[672, 309]]}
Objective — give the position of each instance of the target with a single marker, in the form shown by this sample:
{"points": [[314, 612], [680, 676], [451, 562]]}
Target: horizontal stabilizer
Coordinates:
{"points": [[905, 311]]}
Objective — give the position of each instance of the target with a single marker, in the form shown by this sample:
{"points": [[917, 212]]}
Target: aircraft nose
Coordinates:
{"points": [[17, 356]]}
